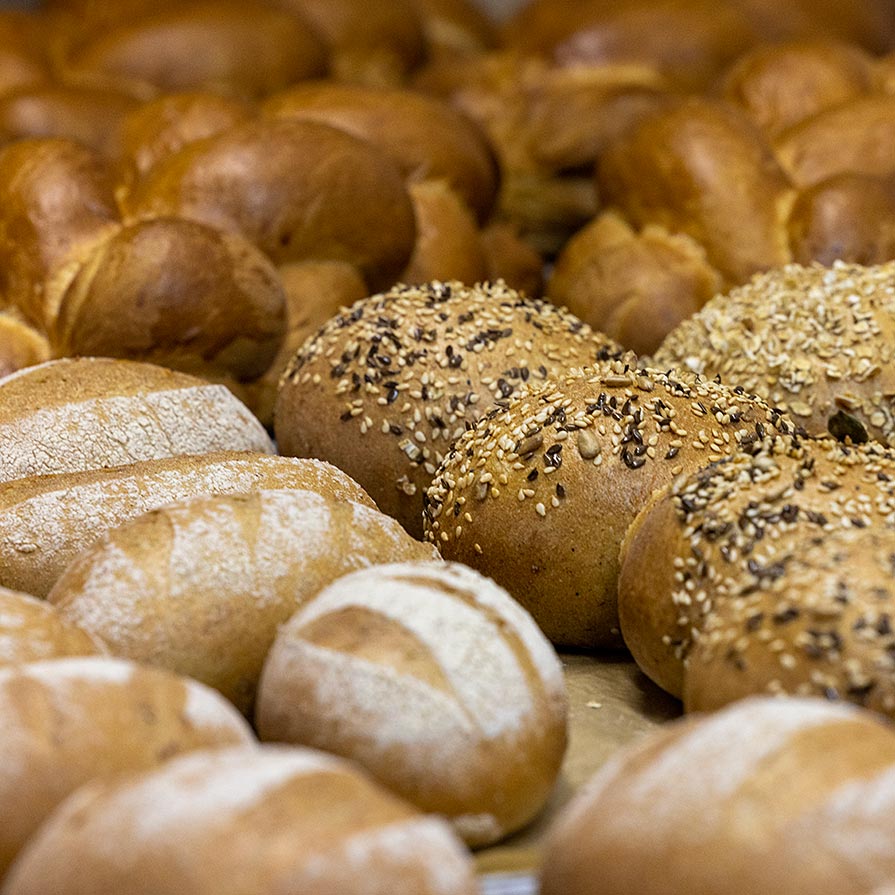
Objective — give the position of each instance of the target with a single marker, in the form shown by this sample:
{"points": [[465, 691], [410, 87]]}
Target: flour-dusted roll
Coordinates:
{"points": [[200, 587], [790, 796], [91, 413], [383, 389], [436, 681], [268, 821], [65, 722], [539, 495], [45, 521], [31, 630]]}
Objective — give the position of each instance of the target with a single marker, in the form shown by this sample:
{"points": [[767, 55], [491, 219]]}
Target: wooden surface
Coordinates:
{"points": [[611, 703]]}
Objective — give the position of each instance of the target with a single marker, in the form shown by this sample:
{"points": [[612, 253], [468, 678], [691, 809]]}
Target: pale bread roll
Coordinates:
{"points": [[201, 586], [91, 413], [783, 796], [68, 721], [267, 821], [46, 521], [31, 630], [436, 681]]}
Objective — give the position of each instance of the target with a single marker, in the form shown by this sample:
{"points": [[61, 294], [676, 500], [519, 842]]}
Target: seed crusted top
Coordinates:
{"points": [[819, 343]]}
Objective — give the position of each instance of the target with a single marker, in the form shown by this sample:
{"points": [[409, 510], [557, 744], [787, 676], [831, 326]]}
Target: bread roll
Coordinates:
{"points": [[175, 293], [435, 681], [92, 413], [407, 370], [20, 344], [539, 495], [456, 27], [31, 630], [70, 721], [200, 586], [47, 520], [819, 343], [689, 550], [265, 821], [790, 796]]}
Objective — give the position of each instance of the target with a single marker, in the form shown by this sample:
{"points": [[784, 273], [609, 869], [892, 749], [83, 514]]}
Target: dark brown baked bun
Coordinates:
{"points": [[434, 680], [267, 821], [200, 586], [407, 370], [791, 796], [66, 722], [538, 495], [709, 534], [819, 343], [176, 293]]}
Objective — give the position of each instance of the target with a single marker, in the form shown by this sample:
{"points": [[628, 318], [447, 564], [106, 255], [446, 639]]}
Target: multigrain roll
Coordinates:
{"points": [[266, 821], [66, 722], [791, 796], [20, 344], [31, 630], [706, 536], [47, 520], [435, 681], [540, 494], [817, 342], [77, 414], [407, 370], [201, 586]]}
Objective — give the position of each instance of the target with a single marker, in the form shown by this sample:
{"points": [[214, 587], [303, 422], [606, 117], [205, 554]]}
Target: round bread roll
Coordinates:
{"points": [[31, 630], [200, 586], [539, 495], [267, 821], [819, 343], [175, 293], [408, 370], [20, 344], [47, 520], [790, 796], [818, 622], [69, 721], [689, 550], [434, 680], [77, 414]]}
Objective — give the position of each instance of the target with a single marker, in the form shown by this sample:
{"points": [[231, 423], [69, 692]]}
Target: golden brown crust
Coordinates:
{"points": [[510, 258], [408, 369], [455, 27], [20, 345]]}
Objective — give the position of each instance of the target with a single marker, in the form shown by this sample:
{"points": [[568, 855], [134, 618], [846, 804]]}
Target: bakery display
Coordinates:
{"points": [[435, 681]]}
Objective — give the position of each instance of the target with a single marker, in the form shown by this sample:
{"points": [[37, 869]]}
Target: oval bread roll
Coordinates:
{"points": [[790, 796], [45, 521], [201, 586], [68, 721], [432, 678], [31, 630], [266, 821], [91, 413]]}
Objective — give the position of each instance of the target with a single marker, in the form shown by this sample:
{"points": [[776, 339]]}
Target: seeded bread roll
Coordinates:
{"points": [[20, 344], [47, 520], [539, 495], [175, 293], [408, 369], [267, 821], [66, 722], [200, 586], [791, 796], [31, 630], [92, 413], [817, 622], [817, 342], [690, 549], [434, 680]]}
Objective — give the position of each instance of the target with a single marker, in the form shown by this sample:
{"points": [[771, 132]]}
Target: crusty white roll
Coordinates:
{"points": [[65, 722], [91, 413], [269, 821], [201, 586], [436, 681], [790, 796], [46, 521]]}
